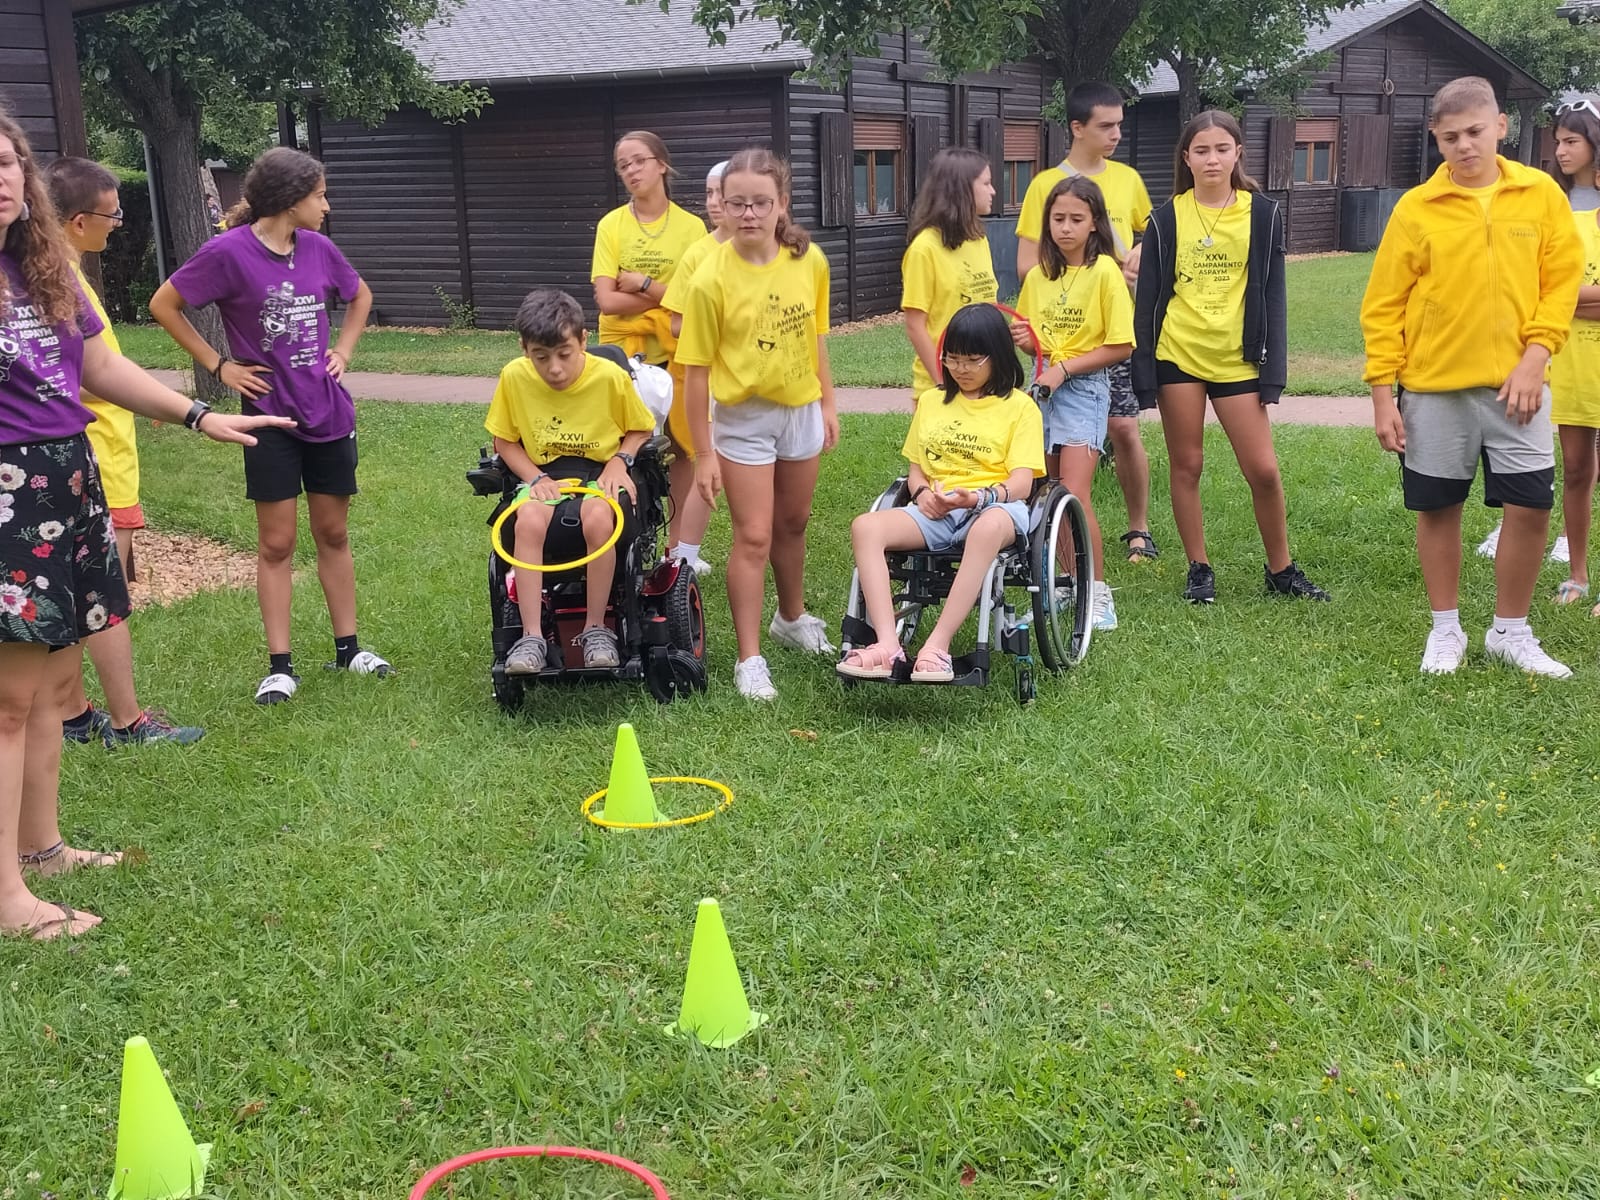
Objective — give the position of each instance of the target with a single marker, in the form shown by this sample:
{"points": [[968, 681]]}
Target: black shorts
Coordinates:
{"points": [[279, 466], [60, 577], [564, 542], [1169, 373]]}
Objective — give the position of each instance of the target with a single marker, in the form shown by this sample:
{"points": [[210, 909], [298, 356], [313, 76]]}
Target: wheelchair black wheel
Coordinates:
{"points": [[1063, 599], [686, 619], [508, 691]]}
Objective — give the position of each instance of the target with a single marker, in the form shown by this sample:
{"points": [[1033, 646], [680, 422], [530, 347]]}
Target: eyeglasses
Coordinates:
{"points": [[110, 216], [1584, 105], [738, 208], [965, 362], [634, 163]]}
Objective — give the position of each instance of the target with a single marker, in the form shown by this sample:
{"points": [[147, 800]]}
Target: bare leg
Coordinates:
{"points": [[1439, 553], [1133, 469], [750, 502], [336, 566], [1183, 424], [1580, 461], [793, 485], [1516, 563], [22, 669], [532, 524], [989, 533], [872, 535], [276, 529], [1077, 476], [598, 524], [1244, 419], [124, 547], [691, 516], [111, 651]]}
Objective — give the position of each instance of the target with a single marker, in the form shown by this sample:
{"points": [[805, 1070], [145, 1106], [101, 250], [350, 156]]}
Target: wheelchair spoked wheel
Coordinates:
{"points": [[1063, 600]]}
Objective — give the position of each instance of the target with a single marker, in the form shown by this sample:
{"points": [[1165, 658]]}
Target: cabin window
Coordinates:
{"points": [[879, 164], [1022, 141], [1315, 144]]}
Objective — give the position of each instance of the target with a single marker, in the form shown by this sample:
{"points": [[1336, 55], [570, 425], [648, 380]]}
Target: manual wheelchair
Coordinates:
{"points": [[1057, 609], [654, 608]]}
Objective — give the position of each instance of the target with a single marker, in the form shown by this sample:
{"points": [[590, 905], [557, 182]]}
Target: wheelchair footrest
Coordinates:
{"points": [[970, 670]]}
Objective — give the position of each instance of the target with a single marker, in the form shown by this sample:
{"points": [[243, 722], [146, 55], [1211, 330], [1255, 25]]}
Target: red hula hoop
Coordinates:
{"points": [[1038, 354], [597, 1156]]}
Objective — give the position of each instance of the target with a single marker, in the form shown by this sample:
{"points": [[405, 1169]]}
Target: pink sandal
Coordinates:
{"points": [[871, 662], [932, 666]]}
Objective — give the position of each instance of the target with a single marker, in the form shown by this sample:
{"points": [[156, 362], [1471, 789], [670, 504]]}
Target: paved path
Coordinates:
{"points": [[471, 389]]}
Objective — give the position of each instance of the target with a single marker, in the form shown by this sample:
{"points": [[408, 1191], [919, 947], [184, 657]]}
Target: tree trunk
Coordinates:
{"points": [[1079, 39], [1189, 100], [169, 115], [1527, 131]]}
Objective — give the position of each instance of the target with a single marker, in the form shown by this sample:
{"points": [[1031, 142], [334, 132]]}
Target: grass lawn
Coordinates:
{"points": [[1324, 340], [1244, 906]]}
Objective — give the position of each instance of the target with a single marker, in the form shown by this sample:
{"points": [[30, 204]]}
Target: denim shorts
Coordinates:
{"points": [[1076, 413], [949, 531]]}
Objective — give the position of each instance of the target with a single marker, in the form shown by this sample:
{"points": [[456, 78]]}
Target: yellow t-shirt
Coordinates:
{"points": [[975, 443], [587, 420], [622, 244], [757, 327], [1127, 201], [111, 433], [1575, 371], [683, 274], [938, 281], [1084, 309], [1203, 333]]}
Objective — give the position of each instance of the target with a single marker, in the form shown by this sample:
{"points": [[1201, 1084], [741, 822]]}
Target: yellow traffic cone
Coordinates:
{"points": [[156, 1157], [714, 1007], [629, 798]]}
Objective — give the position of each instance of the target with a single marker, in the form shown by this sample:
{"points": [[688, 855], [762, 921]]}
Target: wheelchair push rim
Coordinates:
{"points": [[1063, 632], [569, 487], [643, 1174]]}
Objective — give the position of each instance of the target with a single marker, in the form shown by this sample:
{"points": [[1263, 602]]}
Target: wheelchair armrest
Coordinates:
{"points": [[893, 496], [490, 477]]}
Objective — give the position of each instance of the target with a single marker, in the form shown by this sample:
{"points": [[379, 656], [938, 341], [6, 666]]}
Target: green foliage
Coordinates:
{"points": [[235, 129], [462, 316], [1554, 51]]}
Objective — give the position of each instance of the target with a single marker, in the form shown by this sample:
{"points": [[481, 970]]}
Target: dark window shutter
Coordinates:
{"points": [[1280, 153], [992, 145], [1366, 151], [924, 145], [1055, 144], [835, 149]]}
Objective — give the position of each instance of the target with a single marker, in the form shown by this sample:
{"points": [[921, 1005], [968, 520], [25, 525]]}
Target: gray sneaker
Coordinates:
{"points": [[599, 647], [527, 657]]}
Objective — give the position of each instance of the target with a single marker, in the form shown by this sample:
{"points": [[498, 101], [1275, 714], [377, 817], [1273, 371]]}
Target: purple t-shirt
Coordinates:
{"points": [[275, 312], [40, 367]]}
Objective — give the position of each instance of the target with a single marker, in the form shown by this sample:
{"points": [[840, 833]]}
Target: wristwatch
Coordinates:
{"points": [[197, 413], [627, 459]]}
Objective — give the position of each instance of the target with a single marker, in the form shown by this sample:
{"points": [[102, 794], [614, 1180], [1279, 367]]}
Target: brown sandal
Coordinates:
{"points": [[40, 864], [49, 931]]}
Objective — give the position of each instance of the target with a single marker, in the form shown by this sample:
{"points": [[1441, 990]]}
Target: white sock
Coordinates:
{"points": [[1510, 625], [688, 551], [1446, 618]]}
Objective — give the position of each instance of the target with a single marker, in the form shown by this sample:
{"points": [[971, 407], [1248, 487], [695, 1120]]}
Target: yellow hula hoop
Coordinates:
{"points": [[720, 806], [569, 487]]}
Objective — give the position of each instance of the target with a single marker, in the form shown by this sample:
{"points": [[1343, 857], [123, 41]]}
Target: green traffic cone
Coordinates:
{"points": [[156, 1157], [714, 1009], [629, 797]]}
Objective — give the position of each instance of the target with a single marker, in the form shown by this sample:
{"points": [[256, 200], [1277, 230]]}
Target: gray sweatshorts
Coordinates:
{"points": [[1449, 433]]}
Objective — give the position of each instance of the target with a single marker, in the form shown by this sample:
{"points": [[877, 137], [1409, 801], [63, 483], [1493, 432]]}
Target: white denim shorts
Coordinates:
{"points": [[757, 432]]}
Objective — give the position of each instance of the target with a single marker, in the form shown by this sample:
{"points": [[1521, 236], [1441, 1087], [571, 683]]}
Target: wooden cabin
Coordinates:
{"points": [[1359, 134], [493, 206], [39, 73]]}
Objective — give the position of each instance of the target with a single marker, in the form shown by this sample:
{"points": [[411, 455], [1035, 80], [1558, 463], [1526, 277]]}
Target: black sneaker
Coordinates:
{"points": [[1292, 581], [1202, 585], [86, 726], [153, 726]]}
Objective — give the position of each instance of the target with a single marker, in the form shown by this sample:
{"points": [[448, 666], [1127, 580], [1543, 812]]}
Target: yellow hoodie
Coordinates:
{"points": [[1458, 291]]}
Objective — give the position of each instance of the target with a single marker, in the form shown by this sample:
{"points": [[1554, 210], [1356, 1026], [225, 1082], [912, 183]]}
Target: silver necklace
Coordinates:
{"points": [[1208, 241], [665, 219], [288, 258]]}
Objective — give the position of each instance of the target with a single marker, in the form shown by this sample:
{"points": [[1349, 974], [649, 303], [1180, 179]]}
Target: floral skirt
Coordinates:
{"points": [[60, 577]]}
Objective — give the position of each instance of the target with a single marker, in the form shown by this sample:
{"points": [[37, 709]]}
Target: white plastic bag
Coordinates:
{"points": [[654, 386]]}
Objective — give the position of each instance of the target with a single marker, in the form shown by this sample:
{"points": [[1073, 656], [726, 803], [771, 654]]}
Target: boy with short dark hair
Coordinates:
{"points": [[1094, 119], [1473, 289], [560, 412]]}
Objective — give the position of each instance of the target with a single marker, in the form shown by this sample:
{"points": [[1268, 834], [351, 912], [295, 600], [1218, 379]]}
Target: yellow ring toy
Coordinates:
{"points": [[569, 487], [720, 806]]}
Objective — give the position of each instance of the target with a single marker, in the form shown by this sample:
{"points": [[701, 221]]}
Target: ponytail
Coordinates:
{"points": [[240, 214]]}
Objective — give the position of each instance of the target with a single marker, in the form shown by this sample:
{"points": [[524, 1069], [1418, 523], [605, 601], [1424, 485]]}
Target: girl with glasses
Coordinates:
{"points": [[975, 447], [1077, 301], [637, 249], [754, 325], [947, 263]]}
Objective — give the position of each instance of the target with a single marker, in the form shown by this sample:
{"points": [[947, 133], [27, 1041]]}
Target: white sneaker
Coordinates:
{"points": [[754, 679], [698, 565], [1491, 544], [1522, 650], [805, 632], [1444, 651], [1559, 552], [1105, 608]]}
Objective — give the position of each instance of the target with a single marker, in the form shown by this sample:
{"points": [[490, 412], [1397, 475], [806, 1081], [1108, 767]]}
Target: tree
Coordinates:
{"points": [[1216, 48], [1557, 53], [1077, 38], [164, 62]]}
